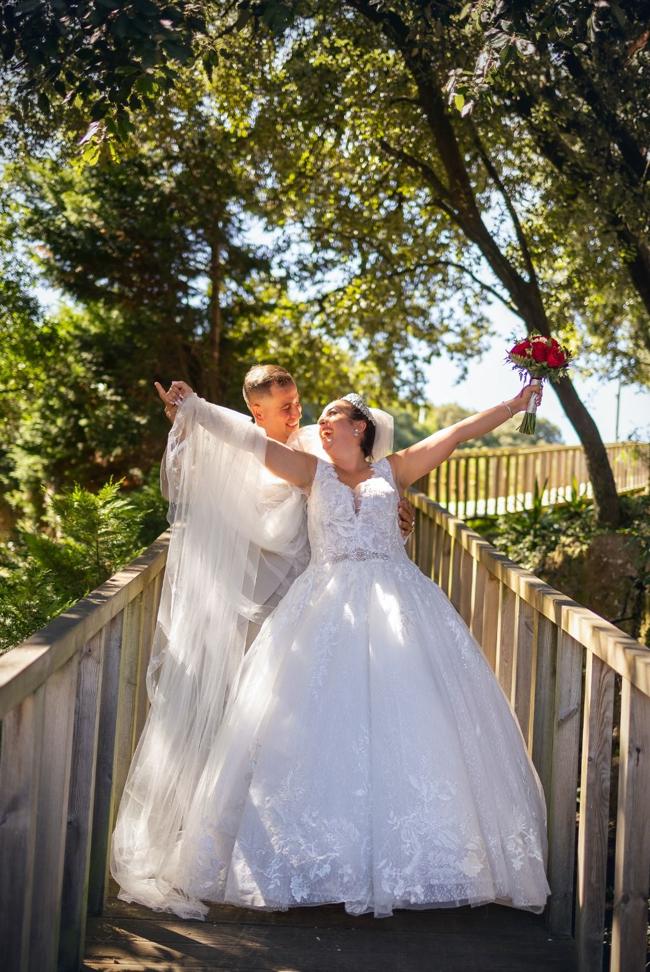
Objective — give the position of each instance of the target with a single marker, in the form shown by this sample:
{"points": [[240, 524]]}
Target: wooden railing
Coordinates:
{"points": [[73, 703], [566, 672], [483, 482]]}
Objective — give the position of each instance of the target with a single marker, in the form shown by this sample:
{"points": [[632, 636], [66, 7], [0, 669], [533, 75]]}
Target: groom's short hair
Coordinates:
{"points": [[260, 379]]}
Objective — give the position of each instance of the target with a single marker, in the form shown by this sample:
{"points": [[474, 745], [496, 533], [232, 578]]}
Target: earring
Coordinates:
{"points": [[355, 432]]}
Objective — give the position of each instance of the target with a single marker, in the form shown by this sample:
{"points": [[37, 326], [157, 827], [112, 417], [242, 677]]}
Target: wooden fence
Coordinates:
{"points": [[73, 703], [576, 683], [482, 482]]}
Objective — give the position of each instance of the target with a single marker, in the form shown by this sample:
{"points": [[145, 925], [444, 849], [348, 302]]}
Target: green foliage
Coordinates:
{"points": [[558, 544], [390, 222], [435, 417], [104, 57], [530, 536], [89, 536]]}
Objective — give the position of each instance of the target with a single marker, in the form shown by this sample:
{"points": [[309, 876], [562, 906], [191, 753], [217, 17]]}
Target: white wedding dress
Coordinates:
{"points": [[368, 755]]}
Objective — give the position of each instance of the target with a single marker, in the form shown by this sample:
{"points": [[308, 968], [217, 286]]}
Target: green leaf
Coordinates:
{"points": [[459, 101]]}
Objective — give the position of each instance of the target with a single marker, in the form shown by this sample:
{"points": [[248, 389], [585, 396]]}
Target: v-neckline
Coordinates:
{"points": [[354, 490]]}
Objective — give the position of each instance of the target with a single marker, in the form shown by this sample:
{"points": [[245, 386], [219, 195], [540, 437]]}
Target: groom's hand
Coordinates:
{"points": [[406, 518]]}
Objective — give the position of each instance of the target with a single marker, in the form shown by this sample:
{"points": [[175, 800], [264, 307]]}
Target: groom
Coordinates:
{"points": [[272, 397]]}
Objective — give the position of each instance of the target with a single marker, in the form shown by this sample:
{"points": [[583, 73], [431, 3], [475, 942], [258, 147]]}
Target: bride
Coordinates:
{"points": [[364, 751]]}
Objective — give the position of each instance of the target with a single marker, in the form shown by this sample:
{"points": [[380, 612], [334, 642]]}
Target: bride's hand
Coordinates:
{"points": [[178, 390], [520, 402]]}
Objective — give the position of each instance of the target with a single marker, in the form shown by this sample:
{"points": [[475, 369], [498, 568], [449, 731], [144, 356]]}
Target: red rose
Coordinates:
{"points": [[556, 358], [553, 343], [539, 351], [522, 348]]}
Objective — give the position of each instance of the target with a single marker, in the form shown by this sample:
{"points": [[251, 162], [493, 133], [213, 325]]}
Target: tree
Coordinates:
{"points": [[104, 56], [450, 182], [578, 74], [450, 196], [164, 283]]}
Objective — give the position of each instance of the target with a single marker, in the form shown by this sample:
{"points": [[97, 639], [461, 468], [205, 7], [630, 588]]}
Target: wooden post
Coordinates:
{"points": [[104, 772], [479, 577], [125, 741], [440, 542], [20, 762], [466, 462], [465, 598], [52, 816], [80, 812], [524, 669], [454, 574], [632, 860], [424, 545], [506, 639], [564, 778], [149, 612], [508, 482], [594, 812], [490, 623], [543, 716], [435, 491], [498, 484], [445, 562]]}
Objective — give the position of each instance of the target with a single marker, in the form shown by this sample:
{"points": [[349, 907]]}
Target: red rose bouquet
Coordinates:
{"points": [[542, 359]]}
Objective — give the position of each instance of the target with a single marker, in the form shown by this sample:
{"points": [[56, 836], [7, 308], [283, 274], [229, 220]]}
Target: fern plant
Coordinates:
{"points": [[88, 537]]}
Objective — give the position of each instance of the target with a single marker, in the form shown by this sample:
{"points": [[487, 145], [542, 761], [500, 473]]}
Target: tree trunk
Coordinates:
{"points": [[639, 270], [600, 470], [213, 377]]}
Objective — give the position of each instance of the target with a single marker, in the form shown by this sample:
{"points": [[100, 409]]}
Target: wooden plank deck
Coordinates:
{"points": [[325, 939]]}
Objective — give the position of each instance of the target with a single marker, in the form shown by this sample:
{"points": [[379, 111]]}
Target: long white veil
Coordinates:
{"points": [[238, 536]]}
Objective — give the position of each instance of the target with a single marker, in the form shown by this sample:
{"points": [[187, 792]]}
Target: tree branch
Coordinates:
{"points": [[426, 265], [498, 181], [442, 199]]}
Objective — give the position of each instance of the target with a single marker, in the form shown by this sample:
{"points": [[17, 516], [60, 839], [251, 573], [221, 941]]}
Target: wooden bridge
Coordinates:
{"points": [[73, 703]]}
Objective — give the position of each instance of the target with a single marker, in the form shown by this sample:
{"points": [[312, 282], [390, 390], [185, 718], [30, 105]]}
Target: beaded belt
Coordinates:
{"points": [[361, 555]]}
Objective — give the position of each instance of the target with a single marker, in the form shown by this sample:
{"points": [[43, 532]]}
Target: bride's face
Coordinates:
{"points": [[337, 430]]}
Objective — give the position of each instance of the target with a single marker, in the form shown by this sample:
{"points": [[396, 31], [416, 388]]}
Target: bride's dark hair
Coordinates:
{"points": [[368, 438]]}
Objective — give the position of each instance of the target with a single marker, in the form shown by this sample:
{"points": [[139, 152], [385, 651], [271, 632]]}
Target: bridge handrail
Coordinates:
{"points": [[73, 703], [560, 664]]}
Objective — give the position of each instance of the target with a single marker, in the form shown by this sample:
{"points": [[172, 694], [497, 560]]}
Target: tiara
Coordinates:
{"points": [[359, 403]]}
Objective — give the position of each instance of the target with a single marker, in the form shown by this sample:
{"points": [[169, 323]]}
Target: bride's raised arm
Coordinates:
{"points": [[235, 429], [417, 460]]}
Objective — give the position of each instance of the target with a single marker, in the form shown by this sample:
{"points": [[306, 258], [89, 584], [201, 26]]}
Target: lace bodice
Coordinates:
{"points": [[354, 524]]}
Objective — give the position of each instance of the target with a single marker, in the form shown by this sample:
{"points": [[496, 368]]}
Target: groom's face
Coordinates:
{"points": [[278, 412]]}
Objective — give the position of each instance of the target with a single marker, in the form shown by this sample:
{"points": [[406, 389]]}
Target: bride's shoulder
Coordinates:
{"points": [[323, 467]]}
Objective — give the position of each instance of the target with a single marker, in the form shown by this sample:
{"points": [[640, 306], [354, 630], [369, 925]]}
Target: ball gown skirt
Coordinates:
{"points": [[369, 755]]}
